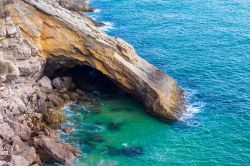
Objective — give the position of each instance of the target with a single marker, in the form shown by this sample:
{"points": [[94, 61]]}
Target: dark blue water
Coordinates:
{"points": [[205, 46]]}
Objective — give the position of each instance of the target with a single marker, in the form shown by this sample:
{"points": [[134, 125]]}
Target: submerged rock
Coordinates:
{"points": [[125, 151], [112, 126]]}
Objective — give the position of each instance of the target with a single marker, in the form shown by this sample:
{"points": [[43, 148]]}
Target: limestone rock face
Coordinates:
{"points": [[62, 34]]}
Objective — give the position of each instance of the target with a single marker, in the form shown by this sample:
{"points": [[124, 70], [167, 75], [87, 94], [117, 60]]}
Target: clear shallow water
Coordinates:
{"points": [[205, 46]]}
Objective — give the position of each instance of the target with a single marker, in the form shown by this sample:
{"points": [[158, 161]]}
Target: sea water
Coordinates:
{"points": [[205, 46]]}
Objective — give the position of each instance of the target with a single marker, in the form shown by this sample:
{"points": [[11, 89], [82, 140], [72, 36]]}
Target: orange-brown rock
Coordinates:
{"points": [[58, 32]]}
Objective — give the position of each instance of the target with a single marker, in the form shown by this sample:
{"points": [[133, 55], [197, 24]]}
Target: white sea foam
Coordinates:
{"points": [[108, 26], [97, 10], [192, 107]]}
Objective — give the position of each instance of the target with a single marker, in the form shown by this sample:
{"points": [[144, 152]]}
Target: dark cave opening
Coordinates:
{"points": [[85, 77]]}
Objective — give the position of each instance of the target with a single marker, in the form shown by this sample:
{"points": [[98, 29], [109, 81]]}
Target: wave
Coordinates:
{"points": [[107, 27], [193, 106], [97, 10]]}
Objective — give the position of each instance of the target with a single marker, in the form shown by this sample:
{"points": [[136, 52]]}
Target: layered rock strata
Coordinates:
{"points": [[31, 32]]}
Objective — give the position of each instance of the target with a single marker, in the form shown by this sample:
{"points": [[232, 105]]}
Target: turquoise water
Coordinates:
{"points": [[205, 46]]}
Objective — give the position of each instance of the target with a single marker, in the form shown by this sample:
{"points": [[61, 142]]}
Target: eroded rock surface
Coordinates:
{"points": [[58, 32], [31, 33]]}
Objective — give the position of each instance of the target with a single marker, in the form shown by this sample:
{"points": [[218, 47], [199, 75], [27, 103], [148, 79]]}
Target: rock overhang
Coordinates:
{"points": [[58, 32]]}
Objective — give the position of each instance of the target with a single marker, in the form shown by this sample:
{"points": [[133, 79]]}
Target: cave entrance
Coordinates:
{"points": [[85, 77]]}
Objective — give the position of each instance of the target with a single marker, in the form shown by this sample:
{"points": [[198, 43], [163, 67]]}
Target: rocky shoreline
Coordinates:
{"points": [[43, 46]]}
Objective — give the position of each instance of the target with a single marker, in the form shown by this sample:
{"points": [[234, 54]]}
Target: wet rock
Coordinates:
{"points": [[68, 129], [6, 131], [54, 117], [52, 133], [45, 82], [52, 150]]}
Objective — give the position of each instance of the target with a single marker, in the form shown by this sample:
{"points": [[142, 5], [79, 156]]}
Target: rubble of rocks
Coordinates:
{"points": [[30, 109]]}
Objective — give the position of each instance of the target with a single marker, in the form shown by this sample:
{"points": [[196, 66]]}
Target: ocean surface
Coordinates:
{"points": [[205, 46]]}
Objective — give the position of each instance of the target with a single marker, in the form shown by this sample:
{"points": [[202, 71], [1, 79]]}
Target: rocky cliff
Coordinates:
{"points": [[34, 33]]}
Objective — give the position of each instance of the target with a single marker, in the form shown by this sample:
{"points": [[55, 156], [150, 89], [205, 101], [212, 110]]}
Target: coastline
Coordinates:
{"points": [[30, 120]]}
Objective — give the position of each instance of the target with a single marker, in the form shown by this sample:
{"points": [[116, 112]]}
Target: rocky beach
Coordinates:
{"points": [[48, 51]]}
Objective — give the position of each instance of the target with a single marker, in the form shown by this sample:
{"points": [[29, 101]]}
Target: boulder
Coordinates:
{"points": [[17, 160], [58, 101], [45, 82], [52, 150], [54, 117], [6, 131], [62, 83], [24, 132]]}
